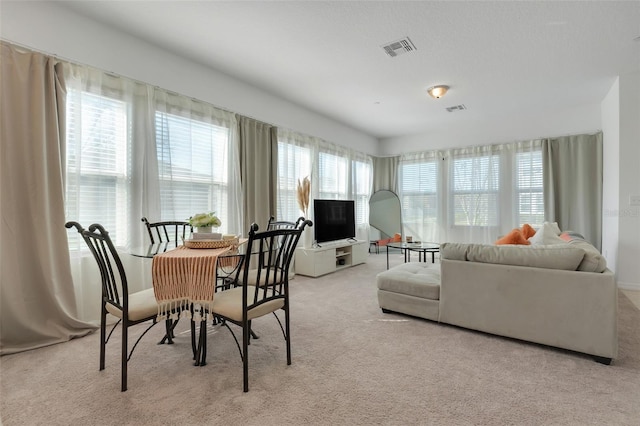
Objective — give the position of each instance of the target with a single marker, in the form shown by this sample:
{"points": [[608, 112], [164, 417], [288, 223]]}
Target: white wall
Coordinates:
{"points": [[516, 126], [52, 29], [611, 172], [628, 271]]}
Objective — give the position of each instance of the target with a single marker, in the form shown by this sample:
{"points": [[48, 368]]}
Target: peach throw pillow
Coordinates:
{"points": [[513, 237], [528, 231], [566, 237]]}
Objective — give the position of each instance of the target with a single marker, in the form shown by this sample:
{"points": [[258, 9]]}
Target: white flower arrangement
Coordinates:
{"points": [[202, 220]]}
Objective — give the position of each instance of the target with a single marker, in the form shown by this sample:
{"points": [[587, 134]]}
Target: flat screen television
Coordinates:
{"points": [[333, 220]]}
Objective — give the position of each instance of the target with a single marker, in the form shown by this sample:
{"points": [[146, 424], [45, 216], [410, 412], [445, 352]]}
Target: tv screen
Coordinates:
{"points": [[333, 220]]}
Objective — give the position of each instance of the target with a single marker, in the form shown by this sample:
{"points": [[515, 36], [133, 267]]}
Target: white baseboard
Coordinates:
{"points": [[629, 286]]}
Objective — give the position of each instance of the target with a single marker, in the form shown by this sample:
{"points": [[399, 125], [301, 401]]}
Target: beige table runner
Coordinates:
{"points": [[183, 276]]}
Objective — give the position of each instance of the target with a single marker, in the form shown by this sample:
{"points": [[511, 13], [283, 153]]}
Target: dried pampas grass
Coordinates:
{"points": [[303, 192]]}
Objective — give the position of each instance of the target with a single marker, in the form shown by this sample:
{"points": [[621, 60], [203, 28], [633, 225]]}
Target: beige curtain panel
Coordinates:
{"points": [[258, 159], [573, 184], [37, 299], [385, 173]]}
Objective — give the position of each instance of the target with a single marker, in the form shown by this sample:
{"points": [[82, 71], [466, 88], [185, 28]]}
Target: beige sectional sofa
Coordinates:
{"points": [[559, 295]]}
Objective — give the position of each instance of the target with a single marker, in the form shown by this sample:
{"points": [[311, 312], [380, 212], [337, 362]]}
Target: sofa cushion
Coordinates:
{"points": [[415, 279], [593, 261], [454, 251], [560, 256]]}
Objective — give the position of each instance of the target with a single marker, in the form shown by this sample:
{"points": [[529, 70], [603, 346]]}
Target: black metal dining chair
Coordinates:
{"points": [[167, 231], [272, 225], [130, 309], [283, 224], [244, 303]]}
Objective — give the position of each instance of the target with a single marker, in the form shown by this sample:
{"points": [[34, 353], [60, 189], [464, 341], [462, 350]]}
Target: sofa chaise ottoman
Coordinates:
{"points": [[410, 288]]}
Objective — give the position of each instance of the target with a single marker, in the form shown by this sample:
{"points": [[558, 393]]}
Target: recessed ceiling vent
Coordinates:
{"points": [[398, 47], [456, 108]]}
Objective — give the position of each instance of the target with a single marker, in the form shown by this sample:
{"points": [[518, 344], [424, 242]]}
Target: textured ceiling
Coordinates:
{"points": [[499, 58]]}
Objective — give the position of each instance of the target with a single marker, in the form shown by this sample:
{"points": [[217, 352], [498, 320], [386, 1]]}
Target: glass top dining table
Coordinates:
{"points": [[227, 262], [168, 285], [150, 250]]}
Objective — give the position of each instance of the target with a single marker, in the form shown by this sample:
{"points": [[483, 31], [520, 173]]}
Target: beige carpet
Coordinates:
{"points": [[352, 365]]}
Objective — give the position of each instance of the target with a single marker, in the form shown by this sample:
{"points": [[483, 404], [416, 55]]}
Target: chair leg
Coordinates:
{"points": [[169, 325], [194, 348], [125, 353], [103, 336], [204, 344], [288, 332], [253, 334], [201, 352], [245, 355]]}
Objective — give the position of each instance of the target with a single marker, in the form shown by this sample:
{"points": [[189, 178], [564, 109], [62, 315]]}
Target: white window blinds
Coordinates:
{"points": [[529, 187], [192, 167], [476, 185], [97, 162], [134, 150], [332, 176], [294, 163], [418, 190], [336, 173], [361, 173], [473, 194]]}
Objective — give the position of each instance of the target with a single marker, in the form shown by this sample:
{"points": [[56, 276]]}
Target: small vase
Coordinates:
{"points": [[203, 229]]}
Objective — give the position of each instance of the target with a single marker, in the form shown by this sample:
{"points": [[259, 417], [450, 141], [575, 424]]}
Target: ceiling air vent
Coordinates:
{"points": [[456, 108], [399, 47]]}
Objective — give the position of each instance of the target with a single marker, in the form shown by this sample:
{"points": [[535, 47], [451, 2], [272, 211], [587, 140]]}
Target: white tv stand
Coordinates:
{"points": [[330, 257]]}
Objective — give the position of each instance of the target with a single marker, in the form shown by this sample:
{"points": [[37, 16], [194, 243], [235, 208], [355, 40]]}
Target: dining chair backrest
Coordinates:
{"points": [[277, 247], [167, 230], [283, 224], [115, 289]]}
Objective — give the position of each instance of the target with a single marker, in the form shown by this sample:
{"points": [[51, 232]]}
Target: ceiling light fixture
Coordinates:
{"points": [[437, 91]]}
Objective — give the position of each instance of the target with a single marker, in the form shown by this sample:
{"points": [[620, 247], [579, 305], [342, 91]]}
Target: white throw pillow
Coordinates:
{"points": [[554, 226], [547, 234]]}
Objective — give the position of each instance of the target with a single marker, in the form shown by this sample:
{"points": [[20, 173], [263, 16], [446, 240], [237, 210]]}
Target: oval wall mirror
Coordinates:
{"points": [[384, 213]]}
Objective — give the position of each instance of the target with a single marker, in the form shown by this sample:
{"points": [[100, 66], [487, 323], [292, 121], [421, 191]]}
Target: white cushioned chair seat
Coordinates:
{"points": [[142, 304], [228, 303], [414, 279]]}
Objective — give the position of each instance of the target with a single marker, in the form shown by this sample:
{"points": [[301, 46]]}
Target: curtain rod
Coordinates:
{"points": [[117, 75]]}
